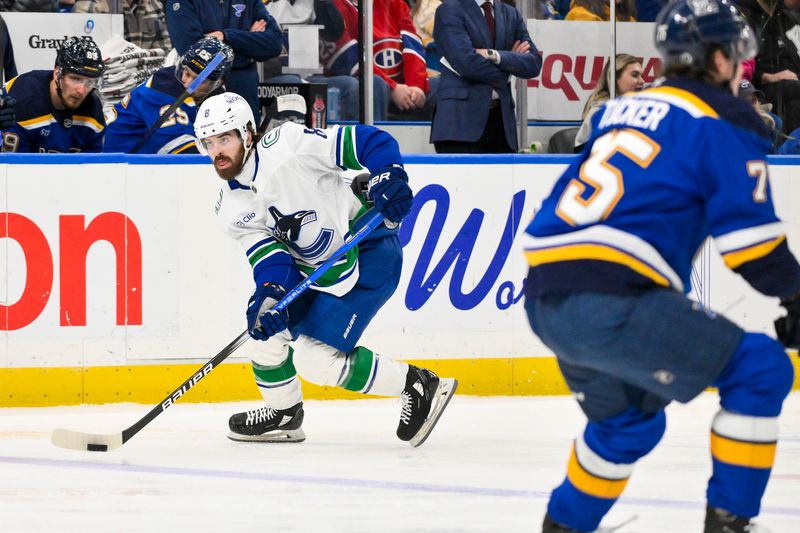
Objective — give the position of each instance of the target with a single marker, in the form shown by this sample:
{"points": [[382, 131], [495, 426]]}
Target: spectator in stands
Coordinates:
{"points": [[422, 15], [401, 79], [244, 25], [748, 68], [628, 77], [59, 110], [84, 6], [8, 69], [647, 10], [145, 24], [29, 6], [778, 62], [755, 97], [131, 118], [482, 47], [7, 64], [325, 14], [598, 10]]}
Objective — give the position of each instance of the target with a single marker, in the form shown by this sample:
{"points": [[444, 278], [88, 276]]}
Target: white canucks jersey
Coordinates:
{"points": [[290, 208]]}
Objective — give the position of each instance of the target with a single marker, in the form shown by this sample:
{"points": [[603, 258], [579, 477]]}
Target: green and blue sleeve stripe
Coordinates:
{"points": [[360, 146], [271, 262]]}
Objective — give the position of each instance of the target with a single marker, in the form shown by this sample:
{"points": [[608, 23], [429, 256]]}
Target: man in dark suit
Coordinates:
{"points": [[483, 43]]}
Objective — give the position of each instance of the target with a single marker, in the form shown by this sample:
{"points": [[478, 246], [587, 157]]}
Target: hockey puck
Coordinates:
{"points": [[97, 447]]}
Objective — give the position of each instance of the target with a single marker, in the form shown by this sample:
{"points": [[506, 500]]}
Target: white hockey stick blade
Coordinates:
{"points": [[93, 442], [447, 387]]}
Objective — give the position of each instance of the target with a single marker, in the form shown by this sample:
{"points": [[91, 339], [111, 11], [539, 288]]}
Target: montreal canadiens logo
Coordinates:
{"points": [[388, 56]]}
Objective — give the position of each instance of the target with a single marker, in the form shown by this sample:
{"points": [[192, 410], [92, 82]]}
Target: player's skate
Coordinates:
{"points": [[268, 425], [551, 526], [721, 521], [423, 400]]}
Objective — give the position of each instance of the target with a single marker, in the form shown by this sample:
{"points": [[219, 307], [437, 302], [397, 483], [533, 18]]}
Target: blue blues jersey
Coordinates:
{"points": [[666, 168], [134, 115], [42, 128]]}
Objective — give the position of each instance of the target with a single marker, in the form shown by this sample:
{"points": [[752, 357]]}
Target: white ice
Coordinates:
{"points": [[488, 467]]}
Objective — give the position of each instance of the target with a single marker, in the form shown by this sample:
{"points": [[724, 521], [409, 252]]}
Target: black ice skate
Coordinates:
{"points": [[551, 526], [423, 400], [268, 425], [721, 521]]}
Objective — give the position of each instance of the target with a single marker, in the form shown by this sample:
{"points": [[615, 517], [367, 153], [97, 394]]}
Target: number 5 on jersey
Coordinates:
{"points": [[604, 178]]}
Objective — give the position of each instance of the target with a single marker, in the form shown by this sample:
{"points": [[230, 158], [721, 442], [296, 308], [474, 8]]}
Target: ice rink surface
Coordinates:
{"points": [[488, 467]]}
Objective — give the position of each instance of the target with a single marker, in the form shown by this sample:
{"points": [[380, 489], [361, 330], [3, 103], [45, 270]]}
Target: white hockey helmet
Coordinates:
{"points": [[221, 113]]}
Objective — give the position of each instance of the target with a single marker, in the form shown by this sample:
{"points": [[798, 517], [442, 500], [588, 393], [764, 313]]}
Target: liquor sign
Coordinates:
{"points": [[573, 54]]}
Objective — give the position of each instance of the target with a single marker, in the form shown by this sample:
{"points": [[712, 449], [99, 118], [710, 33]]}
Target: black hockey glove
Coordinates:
{"points": [[389, 191], [262, 321], [8, 116], [788, 327]]}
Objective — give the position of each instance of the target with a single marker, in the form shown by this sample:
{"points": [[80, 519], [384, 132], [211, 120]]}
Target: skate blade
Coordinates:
{"points": [[291, 435], [447, 387]]}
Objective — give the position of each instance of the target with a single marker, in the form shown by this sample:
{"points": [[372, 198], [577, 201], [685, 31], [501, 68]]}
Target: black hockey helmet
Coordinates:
{"points": [[687, 31], [200, 54], [82, 56]]}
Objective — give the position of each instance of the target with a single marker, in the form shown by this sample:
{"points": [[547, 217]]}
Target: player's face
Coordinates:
{"points": [[75, 88], [188, 76], [226, 150], [630, 79]]}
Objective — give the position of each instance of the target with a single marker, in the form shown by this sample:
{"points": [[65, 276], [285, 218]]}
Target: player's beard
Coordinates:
{"points": [[234, 169]]}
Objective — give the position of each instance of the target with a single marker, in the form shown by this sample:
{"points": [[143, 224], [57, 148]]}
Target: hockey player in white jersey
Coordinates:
{"points": [[285, 201]]}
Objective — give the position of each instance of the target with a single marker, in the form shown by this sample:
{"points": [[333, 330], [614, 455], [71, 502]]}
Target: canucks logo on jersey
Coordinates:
{"points": [[287, 229]]}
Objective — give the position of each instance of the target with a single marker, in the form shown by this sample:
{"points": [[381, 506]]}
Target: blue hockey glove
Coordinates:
{"points": [[788, 327], [389, 191], [262, 321], [8, 115]]}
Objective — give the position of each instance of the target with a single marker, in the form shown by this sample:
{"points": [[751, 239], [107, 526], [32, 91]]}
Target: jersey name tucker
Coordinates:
{"points": [[638, 113]]}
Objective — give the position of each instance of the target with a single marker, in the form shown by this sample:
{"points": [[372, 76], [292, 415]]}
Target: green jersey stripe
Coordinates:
{"points": [[276, 374], [349, 155], [340, 270], [266, 250], [361, 362]]}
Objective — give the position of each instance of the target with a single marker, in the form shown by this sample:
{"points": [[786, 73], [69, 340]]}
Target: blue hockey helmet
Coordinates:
{"points": [[687, 31], [200, 54]]}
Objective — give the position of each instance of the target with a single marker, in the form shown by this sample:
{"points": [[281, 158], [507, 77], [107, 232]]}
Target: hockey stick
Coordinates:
{"points": [[97, 442], [205, 73]]}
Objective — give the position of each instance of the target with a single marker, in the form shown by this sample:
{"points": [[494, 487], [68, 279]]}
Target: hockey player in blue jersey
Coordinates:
{"points": [[285, 202], [59, 110], [134, 115], [610, 254]]}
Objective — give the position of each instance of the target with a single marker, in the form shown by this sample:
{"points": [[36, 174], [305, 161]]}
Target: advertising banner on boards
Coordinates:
{"points": [[110, 263]]}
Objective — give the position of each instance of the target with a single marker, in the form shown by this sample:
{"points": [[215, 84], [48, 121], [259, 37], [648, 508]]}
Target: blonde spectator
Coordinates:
{"points": [[598, 10], [422, 15], [628, 78]]}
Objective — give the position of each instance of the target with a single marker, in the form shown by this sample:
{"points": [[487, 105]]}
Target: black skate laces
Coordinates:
{"points": [[262, 414]]}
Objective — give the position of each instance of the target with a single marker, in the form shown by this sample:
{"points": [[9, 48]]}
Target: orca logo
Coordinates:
{"points": [[287, 229]]}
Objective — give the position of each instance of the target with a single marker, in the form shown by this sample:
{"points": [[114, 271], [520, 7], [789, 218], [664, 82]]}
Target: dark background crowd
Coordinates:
{"points": [[450, 63]]}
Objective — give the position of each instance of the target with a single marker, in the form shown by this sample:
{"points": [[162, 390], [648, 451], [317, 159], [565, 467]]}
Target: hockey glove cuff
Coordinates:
{"points": [[262, 321], [788, 327], [8, 115], [389, 191]]}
